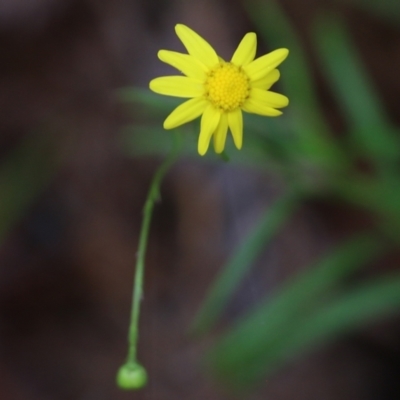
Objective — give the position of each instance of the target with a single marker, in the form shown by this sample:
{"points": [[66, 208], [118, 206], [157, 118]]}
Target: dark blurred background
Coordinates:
{"points": [[71, 202]]}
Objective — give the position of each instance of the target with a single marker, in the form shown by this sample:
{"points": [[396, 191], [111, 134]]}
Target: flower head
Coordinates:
{"points": [[219, 90]]}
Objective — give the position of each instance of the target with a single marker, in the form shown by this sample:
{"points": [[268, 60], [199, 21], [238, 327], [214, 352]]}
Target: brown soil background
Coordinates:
{"points": [[66, 267]]}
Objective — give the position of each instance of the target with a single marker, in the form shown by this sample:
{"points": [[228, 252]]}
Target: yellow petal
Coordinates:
{"points": [[178, 86], [269, 99], [262, 66], [267, 81], [220, 134], [256, 107], [209, 123], [246, 50], [185, 63], [186, 112], [197, 46], [235, 122]]}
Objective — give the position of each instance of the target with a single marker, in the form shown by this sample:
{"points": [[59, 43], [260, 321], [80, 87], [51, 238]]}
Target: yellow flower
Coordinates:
{"points": [[219, 90]]}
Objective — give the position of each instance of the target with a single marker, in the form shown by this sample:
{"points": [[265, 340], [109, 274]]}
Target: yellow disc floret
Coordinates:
{"points": [[227, 86]]}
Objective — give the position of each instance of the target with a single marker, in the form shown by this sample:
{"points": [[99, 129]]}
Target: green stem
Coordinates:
{"points": [[152, 197]]}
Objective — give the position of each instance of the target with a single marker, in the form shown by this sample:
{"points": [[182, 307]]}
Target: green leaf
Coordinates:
{"points": [[251, 349], [148, 140], [388, 9], [360, 103], [312, 130], [232, 274], [379, 196], [367, 301], [153, 140], [153, 102]]}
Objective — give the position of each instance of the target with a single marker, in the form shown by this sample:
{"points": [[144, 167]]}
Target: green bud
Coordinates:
{"points": [[131, 376]]}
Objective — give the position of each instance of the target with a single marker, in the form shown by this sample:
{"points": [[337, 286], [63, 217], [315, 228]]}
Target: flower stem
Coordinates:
{"points": [[152, 196]]}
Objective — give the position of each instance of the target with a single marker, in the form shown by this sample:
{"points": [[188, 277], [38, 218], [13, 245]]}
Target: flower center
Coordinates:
{"points": [[227, 86]]}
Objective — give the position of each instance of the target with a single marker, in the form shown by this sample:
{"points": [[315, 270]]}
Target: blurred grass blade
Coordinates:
{"points": [[352, 310], [228, 280], [23, 175], [354, 91], [153, 102], [297, 83], [153, 140], [388, 9], [148, 140], [367, 301], [379, 196], [248, 351]]}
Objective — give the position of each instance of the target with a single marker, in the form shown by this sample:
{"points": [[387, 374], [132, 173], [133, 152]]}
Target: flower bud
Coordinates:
{"points": [[131, 376]]}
